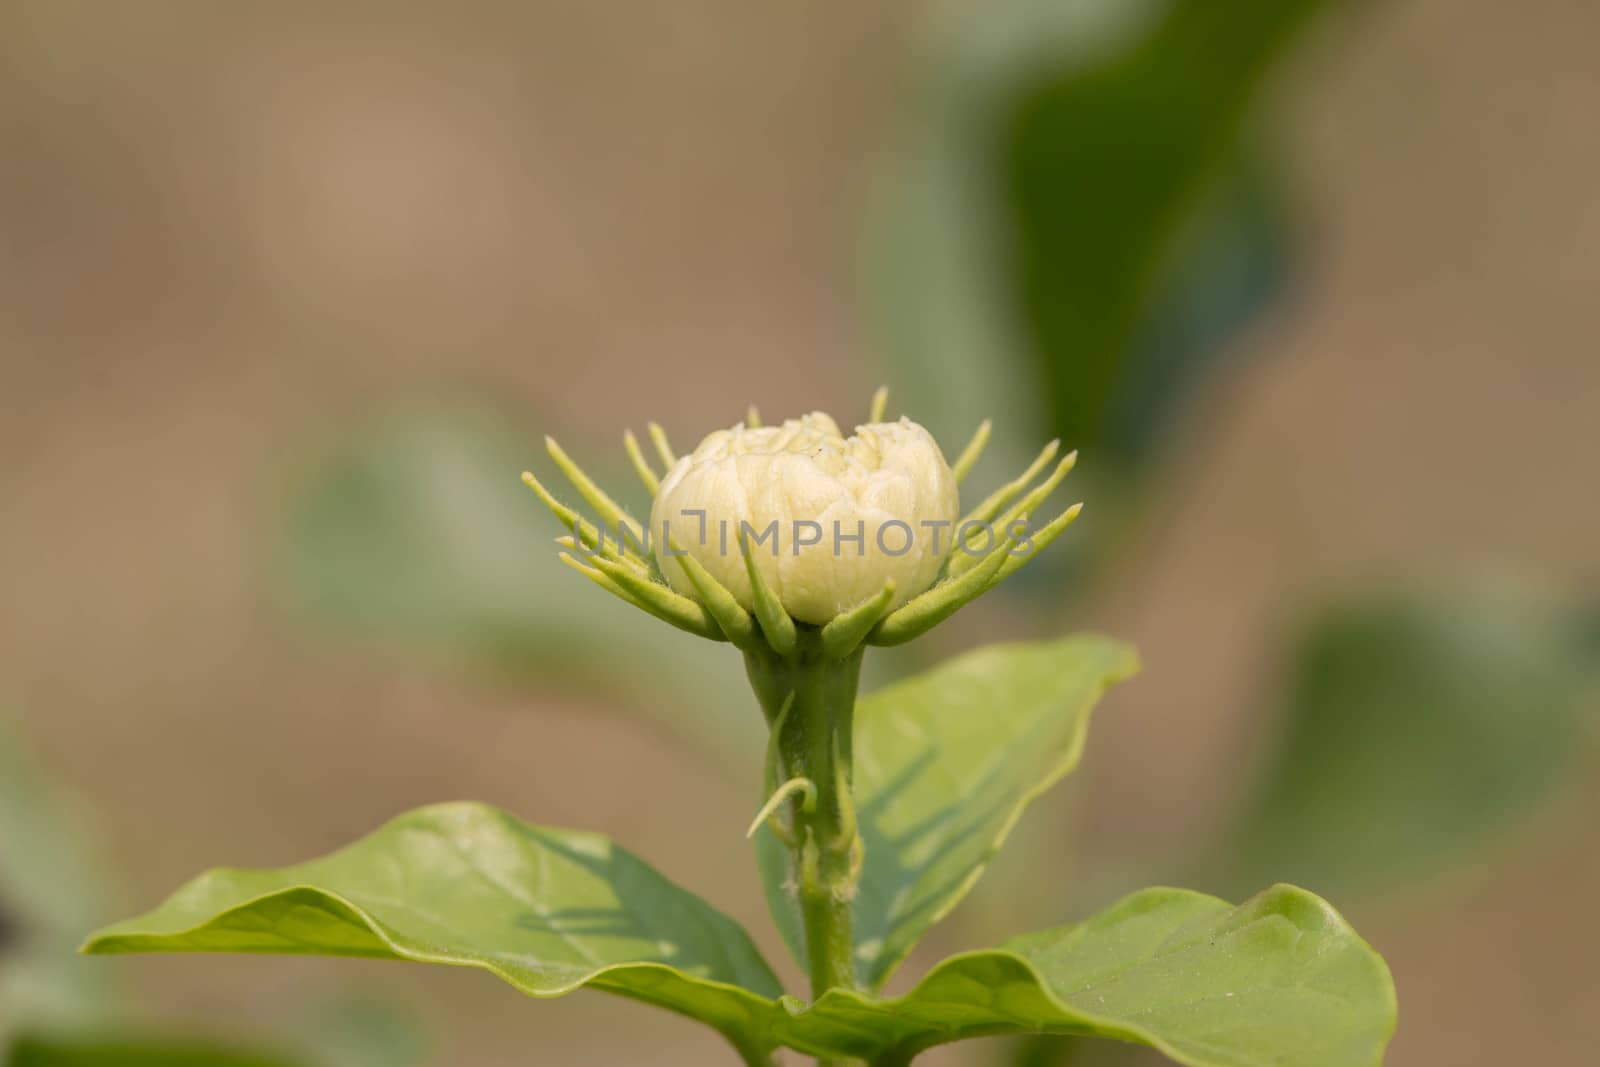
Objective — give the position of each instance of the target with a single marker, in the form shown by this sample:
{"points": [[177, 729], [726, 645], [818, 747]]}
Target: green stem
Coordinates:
{"points": [[753, 1056], [815, 742]]}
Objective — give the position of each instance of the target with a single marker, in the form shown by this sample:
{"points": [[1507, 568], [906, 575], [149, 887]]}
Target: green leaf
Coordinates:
{"points": [[1230, 258], [1416, 728], [944, 764], [362, 1030], [549, 911], [1074, 205], [1103, 164], [414, 531], [52, 886], [1281, 979], [345, 1031], [939, 271]]}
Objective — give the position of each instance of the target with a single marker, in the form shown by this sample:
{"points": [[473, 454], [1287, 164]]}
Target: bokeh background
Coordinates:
{"points": [[290, 292]]}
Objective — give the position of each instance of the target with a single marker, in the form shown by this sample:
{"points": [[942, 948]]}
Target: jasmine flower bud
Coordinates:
{"points": [[828, 520], [761, 528]]}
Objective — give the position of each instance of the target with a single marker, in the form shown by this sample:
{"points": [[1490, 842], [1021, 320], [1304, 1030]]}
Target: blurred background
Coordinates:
{"points": [[289, 294]]}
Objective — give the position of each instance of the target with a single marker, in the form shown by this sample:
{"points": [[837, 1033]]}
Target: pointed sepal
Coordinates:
{"points": [[845, 633]]}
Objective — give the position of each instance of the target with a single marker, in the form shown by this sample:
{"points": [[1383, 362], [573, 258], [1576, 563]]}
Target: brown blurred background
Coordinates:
{"points": [[232, 235]]}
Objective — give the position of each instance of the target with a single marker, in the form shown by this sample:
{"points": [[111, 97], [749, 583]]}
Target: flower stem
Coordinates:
{"points": [[754, 1056], [815, 742]]}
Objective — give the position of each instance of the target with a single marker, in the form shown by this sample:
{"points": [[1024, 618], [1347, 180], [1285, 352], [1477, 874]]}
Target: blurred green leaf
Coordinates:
{"points": [[131, 1051], [52, 888], [416, 527], [549, 911], [49, 874], [1415, 728], [1280, 979], [945, 762], [61, 1008], [1043, 1050], [363, 1030], [1075, 207], [1103, 164], [1229, 259], [1062, 1050], [415, 532], [348, 1031]]}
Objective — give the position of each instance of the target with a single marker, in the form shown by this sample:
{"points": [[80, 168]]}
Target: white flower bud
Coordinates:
{"points": [[829, 518]]}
